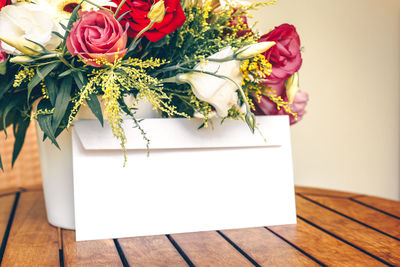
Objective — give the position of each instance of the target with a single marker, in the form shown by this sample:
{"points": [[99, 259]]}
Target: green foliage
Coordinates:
{"points": [[51, 86]]}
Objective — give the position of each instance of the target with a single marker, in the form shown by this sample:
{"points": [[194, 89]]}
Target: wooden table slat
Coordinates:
{"points": [[386, 205], [32, 241], [321, 234], [323, 246], [89, 253], [371, 241], [210, 249], [6, 203], [368, 216], [151, 251], [323, 192], [267, 249]]}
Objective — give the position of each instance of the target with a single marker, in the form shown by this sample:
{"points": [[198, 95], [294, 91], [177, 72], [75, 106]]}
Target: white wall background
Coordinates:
{"points": [[349, 139]]}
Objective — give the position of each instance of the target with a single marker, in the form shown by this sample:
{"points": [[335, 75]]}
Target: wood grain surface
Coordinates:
{"points": [[267, 249], [322, 246], [6, 203], [210, 249], [365, 215], [89, 253], [154, 251], [324, 192], [334, 229], [32, 241], [385, 205], [26, 173], [367, 239]]}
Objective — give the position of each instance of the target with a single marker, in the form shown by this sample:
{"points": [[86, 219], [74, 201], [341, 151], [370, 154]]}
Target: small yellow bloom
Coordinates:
{"points": [[157, 12]]}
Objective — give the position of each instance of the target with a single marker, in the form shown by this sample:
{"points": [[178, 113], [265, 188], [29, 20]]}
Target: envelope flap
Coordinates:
{"points": [[180, 133]]}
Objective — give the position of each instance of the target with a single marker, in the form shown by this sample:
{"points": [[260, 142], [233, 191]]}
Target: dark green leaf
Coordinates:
{"points": [[62, 100], [78, 80], [51, 86], [20, 133], [45, 120], [123, 15], [74, 17], [5, 84], [95, 107], [38, 44], [1, 164], [64, 121], [124, 107], [63, 26], [39, 75], [8, 107], [92, 101], [58, 34], [65, 73]]}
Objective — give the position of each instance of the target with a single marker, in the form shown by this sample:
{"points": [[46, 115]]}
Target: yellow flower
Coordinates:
{"points": [[157, 12]]}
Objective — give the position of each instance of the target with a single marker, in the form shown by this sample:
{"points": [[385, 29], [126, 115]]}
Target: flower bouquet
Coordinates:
{"points": [[188, 59]]}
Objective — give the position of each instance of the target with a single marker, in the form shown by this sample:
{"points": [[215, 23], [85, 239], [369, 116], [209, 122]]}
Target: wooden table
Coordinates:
{"points": [[333, 228]]}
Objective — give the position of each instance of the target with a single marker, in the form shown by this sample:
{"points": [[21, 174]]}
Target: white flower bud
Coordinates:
{"points": [[253, 50], [292, 86]]}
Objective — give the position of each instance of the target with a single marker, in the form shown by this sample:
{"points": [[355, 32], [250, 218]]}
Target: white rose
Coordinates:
{"points": [[24, 21], [219, 92]]}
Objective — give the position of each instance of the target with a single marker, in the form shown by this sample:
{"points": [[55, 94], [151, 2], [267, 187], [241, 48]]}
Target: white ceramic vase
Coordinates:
{"points": [[57, 174]]}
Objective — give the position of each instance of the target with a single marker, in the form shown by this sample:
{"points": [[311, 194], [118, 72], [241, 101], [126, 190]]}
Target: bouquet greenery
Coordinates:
{"points": [[188, 59]]}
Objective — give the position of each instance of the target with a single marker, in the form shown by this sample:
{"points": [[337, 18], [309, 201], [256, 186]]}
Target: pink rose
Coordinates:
{"points": [[285, 56], [267, 107], [97, 36]]}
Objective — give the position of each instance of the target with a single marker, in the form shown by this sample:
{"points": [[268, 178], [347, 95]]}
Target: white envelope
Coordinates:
{"points": [[193, 180]]}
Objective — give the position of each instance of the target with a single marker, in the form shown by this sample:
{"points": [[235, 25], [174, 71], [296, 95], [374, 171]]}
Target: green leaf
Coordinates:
{"points": [[80, 80], [57, 34], [65, 73], [45, 120], [92, 101], [95, 107], [124, 107], [19, 133], [40, 75], [8, 107], [5, 84], [1, 164], [51, 85], [62, 100], [74, 17], [38, 44]]}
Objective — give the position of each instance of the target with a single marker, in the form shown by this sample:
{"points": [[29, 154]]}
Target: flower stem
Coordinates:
{"points": [[148, 27], [119, 8], [99, 7]]}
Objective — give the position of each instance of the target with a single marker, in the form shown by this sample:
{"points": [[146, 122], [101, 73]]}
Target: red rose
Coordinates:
{"points": [[267, 107], [3, 3], [96, 36], [137, 18], [285, 56]]}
